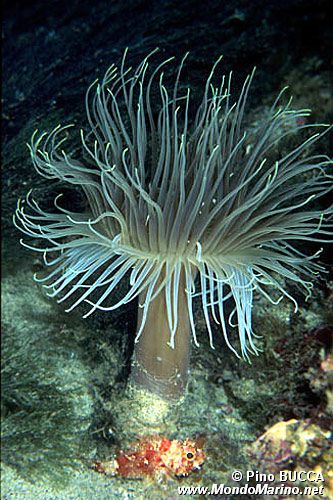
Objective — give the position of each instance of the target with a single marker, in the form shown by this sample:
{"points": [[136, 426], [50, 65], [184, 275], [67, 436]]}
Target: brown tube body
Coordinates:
{"points": [[157, 367]]}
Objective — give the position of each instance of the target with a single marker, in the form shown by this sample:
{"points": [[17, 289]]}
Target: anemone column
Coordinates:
{"points": [[157, 367]]}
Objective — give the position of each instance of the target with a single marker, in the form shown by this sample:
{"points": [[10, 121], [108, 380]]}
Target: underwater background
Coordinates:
{"points": [[61, 374]]}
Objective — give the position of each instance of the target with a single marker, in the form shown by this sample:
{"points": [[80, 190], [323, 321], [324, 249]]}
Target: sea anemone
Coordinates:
{"points": [[188, 203]]}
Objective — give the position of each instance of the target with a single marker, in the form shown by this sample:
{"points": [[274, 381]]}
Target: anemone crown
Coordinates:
{"points": [[204, 202]]}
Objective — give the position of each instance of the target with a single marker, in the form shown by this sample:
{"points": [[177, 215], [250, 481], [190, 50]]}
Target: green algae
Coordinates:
{"points": [[46, 406]]}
